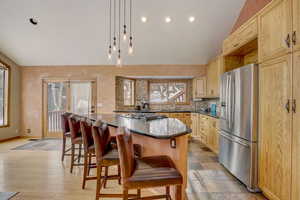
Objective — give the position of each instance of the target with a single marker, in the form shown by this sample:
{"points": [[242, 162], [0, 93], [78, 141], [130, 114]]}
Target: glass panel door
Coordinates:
{"points": [[78, 97], [57, 102], [81, 98]]}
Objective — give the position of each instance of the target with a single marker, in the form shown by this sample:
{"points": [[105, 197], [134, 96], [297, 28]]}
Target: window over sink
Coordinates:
{"points": [[168, 92], [129, 92]]}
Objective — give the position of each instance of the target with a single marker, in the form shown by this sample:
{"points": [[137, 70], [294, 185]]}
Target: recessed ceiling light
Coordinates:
{"points": [[33, 21], [144, 19], [168, 19], [191, 19]]}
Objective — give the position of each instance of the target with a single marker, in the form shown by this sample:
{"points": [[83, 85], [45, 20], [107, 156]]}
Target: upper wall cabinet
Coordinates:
{"points": [[214, 71], [296, 24], [242, 36], [275, 25], [199, 87]]}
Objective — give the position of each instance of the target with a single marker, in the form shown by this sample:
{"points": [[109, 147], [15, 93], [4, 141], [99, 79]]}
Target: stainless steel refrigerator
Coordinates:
{"points": [[238, 124]]}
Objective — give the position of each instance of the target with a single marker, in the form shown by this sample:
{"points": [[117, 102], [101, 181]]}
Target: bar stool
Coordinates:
{"points": [[147, 172], [89, 150], [106, 156], [66, 134], [76, 139]]}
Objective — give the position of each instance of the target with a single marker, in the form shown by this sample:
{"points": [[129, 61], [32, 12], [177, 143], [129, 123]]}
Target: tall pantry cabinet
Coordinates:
{"points": [[279, 118]]}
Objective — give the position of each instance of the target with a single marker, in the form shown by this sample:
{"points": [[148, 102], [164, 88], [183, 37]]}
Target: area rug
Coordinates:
{"points": [[7, 195], [41, 145]]}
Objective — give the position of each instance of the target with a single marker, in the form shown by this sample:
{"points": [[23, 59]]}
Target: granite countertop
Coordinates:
{"points": [[166, 128], [153, 111], [168, 111]]}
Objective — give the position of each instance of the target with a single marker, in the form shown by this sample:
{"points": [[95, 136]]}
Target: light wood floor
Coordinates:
{"points": [[40, 175]]}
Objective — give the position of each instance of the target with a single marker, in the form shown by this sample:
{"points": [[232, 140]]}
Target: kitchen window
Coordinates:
{"points": [[168, 92], [4, 94], [129, 92]]}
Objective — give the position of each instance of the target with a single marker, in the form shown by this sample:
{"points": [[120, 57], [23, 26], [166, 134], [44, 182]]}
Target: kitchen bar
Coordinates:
{"points": [[167, 136]]}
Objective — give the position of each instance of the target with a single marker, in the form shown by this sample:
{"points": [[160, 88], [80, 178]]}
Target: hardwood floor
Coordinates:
{"points": [[39, 175]]}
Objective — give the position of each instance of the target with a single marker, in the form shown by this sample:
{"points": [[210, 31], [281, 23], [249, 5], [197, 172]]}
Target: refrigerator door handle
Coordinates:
{"points": [[230, 138], [232, 102], [229, 101]]}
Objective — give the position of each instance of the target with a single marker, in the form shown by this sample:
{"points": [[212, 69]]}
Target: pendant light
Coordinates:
{"points": [[124, 26], [130, 50], [109, 48], [115, 19]]}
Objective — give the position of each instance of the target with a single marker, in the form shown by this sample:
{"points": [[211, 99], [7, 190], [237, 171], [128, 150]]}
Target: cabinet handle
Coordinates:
{"points": [[294, 38], [236, 45], [294, 106], [288, 41], [287, 106]]}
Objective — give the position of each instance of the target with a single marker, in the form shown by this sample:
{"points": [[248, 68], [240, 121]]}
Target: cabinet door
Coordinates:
{"points": [[275, 134], [296, 127], [200, 87], [213, 73], [296, 24], [275, 25]]}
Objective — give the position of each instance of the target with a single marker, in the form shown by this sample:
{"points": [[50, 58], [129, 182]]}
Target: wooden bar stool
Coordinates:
{"points": [[106, 156], [76, 139], [89, 150], [146, 172], [66, 134]]}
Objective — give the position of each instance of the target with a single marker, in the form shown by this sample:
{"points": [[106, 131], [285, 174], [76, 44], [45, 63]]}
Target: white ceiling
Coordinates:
{"points": [[75, 32]]}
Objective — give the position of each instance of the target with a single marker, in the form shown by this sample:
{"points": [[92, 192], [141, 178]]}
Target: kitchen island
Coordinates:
{"points": [[167, 136]]}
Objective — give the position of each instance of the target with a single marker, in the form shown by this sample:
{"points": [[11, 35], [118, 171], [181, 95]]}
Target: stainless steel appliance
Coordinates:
{"points": [[238, 124]]}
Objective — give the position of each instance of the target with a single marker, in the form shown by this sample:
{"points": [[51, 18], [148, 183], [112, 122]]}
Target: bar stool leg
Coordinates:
{"points": [[138, 193], [72, 157], [85, 169], [79, 153], [63, 149], [90, 163], [168, 192], [119, 174], [125, 194], [105, 177], [99, 184], [178, 192]]}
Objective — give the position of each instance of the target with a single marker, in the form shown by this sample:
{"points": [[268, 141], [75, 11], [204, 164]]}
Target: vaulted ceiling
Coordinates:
{"points": [[75, 32]]}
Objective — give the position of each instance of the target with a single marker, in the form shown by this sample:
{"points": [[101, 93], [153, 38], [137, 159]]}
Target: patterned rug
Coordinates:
{"points": [[41, 145], [7, 195]]}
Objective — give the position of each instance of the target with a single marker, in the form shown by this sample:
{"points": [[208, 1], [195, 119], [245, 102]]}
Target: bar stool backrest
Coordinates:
{"points": [[65, 122], [86, 131], [126, 153], [74, 123], [102, 139]]}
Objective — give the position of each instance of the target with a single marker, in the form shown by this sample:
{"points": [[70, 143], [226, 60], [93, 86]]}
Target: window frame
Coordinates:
{"points": [[7, 97], [134, 92], [168, 81]]}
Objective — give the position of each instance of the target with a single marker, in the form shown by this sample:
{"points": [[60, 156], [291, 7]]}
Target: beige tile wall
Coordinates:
{"points": [[105, 75]]}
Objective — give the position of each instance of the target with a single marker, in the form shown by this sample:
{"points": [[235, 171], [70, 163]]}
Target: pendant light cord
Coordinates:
{"points": [[115, 19], [130, 18], [119, 25], [110, 23]]}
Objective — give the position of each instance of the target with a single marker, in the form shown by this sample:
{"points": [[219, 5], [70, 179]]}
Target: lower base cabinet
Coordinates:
{"points": [[205, 129]]}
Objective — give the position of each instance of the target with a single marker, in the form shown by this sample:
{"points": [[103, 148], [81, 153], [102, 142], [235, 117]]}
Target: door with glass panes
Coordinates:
{"points": [[61, 96]]}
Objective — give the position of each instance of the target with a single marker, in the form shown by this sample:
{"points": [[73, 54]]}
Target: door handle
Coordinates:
{"points": [[294, 106], [288, 41], [294, 38], [287, 106]]}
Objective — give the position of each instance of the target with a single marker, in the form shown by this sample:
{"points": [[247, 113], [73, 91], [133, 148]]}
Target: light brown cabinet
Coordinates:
{"points": [[199, 87], [240, 37], [184, 117], [205, 129], [275, 133], [214, 71], [296, 26], [296, 128], [275, 30]]}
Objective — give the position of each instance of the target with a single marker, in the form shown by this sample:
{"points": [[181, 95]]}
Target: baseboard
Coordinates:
{"points": [[30, 137], [8, 139]]}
